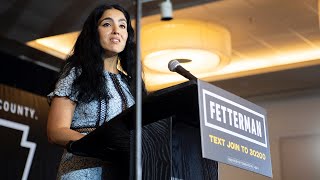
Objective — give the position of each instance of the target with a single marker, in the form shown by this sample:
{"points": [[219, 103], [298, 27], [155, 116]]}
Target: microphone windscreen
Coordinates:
{"points": [[172, 65]]}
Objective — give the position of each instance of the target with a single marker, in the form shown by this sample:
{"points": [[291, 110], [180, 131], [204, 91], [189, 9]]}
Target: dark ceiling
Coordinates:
{"points": [[26, 20]]}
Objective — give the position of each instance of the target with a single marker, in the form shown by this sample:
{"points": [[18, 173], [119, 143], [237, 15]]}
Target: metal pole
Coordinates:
{"points": [[138, 147]]}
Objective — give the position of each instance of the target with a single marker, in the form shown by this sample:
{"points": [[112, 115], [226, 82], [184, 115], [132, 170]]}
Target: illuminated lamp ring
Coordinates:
{"points": [[207, 45]]}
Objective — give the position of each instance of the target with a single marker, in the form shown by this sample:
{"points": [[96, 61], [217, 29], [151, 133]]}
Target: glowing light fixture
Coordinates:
{"points": [[201, 47], [60, 45], [158, 49]]}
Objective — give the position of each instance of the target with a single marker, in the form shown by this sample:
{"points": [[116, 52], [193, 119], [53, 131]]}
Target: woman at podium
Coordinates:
{"points": [[95, 84]]}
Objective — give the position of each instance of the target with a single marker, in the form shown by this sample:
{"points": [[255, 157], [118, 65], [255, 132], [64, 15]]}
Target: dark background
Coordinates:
{"points": [[36, 82]]}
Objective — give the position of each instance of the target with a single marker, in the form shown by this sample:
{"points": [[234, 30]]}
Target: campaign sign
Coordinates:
{"points": [[234, 131], [25, 152]]}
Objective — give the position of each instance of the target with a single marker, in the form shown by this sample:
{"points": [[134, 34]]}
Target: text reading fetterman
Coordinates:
{"points": [[235, 119]]}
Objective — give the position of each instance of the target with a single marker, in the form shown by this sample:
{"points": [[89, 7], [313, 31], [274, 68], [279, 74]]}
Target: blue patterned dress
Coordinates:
{"points": [[88, 116]]}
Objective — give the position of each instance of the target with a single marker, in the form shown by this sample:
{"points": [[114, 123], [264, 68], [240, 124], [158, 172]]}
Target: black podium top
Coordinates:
{"points": [[113, 137]]}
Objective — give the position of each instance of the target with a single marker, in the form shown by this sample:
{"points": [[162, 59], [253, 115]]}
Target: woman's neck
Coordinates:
{"points": [[110, 64]]}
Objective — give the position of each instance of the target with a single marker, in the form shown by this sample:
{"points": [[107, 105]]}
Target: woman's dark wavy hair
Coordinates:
{"points": [[87, 58]]}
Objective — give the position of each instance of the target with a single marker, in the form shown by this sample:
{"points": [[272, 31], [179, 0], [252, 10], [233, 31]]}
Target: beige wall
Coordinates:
{"points": [[290, 116]]}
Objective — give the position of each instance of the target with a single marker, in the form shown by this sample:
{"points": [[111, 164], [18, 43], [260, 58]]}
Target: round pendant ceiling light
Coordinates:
{"points": [[201, 47]]}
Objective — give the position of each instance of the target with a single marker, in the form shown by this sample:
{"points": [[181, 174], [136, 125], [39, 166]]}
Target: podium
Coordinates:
{"points": [[171, 142]]}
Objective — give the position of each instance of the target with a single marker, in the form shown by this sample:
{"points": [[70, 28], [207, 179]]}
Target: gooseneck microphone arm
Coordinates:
{"points": [[175, 66]]}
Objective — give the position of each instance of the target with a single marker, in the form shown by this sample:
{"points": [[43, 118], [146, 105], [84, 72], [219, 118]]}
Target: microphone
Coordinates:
{"points": [[175, 66]]}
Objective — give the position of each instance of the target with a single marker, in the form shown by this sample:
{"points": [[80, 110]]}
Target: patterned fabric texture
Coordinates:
{"points": [[87, 115]]}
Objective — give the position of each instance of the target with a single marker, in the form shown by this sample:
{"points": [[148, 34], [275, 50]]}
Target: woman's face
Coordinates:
{"points": [[112, 29]]}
